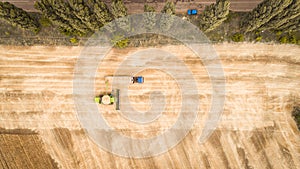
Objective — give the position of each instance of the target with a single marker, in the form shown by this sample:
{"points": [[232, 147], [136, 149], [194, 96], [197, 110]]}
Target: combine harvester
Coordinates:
{"points": [[109, 99], [114, 96]]}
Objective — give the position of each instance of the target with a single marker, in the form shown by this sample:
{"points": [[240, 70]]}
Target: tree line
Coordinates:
{"points": [[214, 15], [18, 17], [84, 17], [80, 17], [274, 15]]}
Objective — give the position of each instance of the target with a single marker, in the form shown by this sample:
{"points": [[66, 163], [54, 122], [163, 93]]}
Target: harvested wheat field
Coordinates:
{"points": [[39, 127]]}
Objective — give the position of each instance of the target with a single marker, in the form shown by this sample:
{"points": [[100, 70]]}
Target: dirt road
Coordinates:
{"points": [[137, 6], [182, 6], [255, 130]]}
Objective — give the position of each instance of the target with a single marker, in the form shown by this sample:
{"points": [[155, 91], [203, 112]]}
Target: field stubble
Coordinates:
{"points": [[256, 128]]}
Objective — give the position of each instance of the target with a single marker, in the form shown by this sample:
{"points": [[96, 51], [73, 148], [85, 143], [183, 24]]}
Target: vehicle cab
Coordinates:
{"points": [[192, 12]]}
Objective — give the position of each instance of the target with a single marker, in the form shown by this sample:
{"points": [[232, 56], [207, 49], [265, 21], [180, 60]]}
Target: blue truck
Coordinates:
{"points": [[192, 12]]}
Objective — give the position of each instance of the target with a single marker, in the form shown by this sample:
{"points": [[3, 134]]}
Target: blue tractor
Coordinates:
{"points": [[138, 79], [192, 12]]}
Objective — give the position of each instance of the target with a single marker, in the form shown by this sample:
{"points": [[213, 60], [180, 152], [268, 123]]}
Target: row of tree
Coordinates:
{"points": [[80, 17], [83, 17], [149, 20], [273, 14], [165, 22], [289, 14], [214, 15], [291, 25], [18, 17]]}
